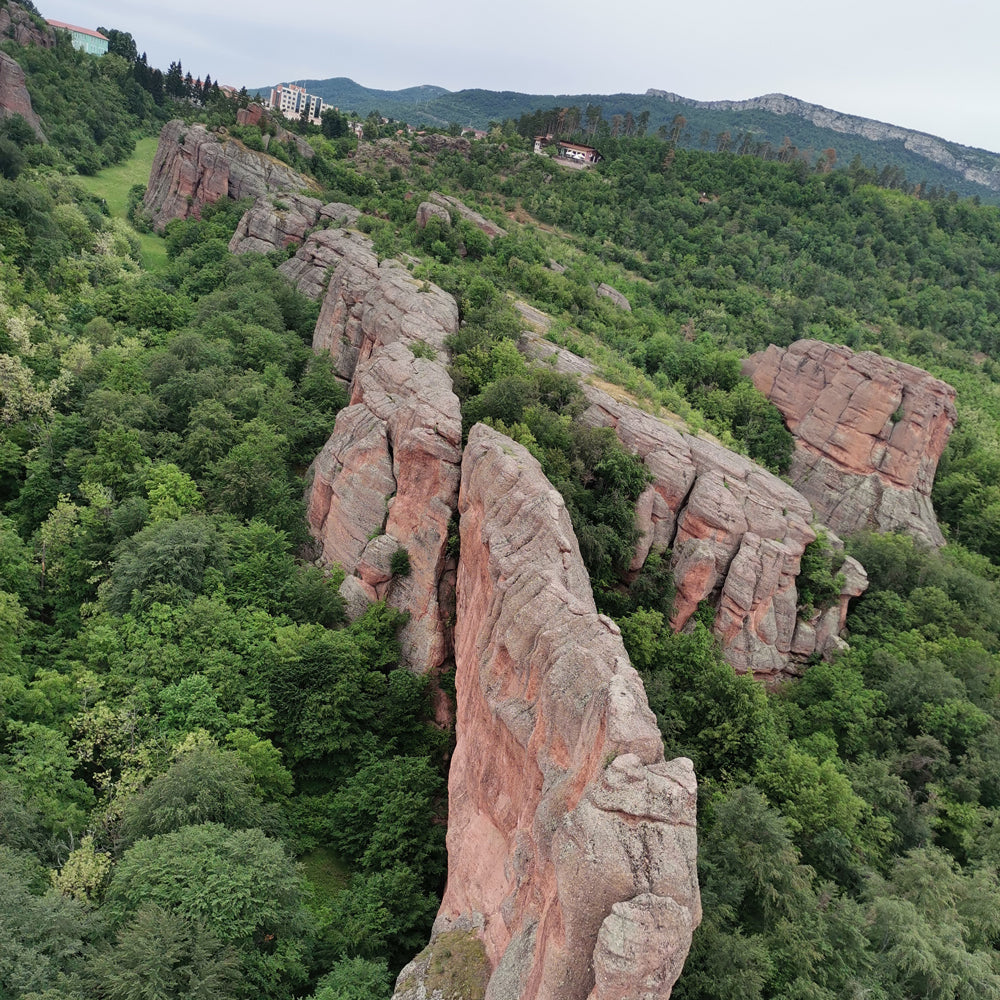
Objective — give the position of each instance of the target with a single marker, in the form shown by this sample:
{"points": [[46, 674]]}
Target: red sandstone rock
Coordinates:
{"points": [[14, 96], [427, 211], [737, 534], [571, 842], [367, 302], [275, 222], [17, 23], [868, 433], [388, 479], [194, 167]]}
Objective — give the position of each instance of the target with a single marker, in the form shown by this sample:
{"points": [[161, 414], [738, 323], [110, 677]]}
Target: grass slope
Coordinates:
{"points": [[113, 185]]}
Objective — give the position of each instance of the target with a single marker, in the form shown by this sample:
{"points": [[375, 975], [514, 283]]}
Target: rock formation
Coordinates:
{"points": [[275, 222], [427, 211], [388, 480], [194, 167], [868, 433], [14, 96], [450, 203], [736, 533], [974, 165], [367, 302], [605, 291], [256, 114], [18, 24], [571, 842]]}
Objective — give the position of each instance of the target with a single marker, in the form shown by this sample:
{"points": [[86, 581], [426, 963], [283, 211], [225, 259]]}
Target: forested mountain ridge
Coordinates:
{"points": [[185, 715], [769, 124]]}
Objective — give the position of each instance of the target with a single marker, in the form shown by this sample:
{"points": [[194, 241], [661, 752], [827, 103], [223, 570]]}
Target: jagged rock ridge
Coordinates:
{"points": [[983, 169], [388, 480], [275, 222], [571, 842], [194, 167], [869, 432], [736, 533]]}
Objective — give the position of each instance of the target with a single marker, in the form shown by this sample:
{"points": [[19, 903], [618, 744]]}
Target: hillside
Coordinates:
{"points": [[411, 579], [772, 119]]}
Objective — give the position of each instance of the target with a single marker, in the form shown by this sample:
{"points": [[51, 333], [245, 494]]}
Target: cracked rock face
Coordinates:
{"points": [[194, 167], [388, 479], [571, 841], [367, 302], [274, 223], [869, 432], [736, 533], [14, 96]]}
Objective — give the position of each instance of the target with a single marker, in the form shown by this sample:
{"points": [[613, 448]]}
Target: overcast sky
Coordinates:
{"points": [[922, 65]]}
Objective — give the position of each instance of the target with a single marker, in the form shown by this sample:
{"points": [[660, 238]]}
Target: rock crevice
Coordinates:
{"points": [[570, 839]]}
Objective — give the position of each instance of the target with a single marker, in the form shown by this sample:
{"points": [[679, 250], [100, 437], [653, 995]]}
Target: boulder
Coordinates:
{"points": [[427, 211], [387, 480], [367, 302], [571, 841], [448, 202], [14, 96], [194, 167], [869, 432], [605, 291]]}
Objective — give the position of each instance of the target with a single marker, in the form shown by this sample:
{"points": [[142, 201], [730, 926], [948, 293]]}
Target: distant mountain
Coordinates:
{"points": [[773, 119]]}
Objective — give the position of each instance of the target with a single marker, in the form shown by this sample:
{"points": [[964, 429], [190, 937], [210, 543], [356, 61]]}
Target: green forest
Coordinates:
{"points": [[213, 786]]}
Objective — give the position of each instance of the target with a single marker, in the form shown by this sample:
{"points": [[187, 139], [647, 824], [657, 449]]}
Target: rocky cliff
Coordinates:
{"points": [[17, 24], [366, 301], [194, 167], [571, 842], [868, 433], [275, 222], [387, 480], [736, 533], [977, 166], [14, 96]]}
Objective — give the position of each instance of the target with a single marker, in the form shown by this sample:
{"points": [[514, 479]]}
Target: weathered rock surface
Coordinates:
{"points": [[427, 211], [367, 302], [388, 479], [17, 23], [14, 96], [868, 433], [571, 842], [736, 533], [194, 167], [275, 222], [449, 202], [605, 291]]}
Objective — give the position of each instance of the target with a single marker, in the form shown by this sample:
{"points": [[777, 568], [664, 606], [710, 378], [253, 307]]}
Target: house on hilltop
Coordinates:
{"points": [[579, 154], [92, 42]]}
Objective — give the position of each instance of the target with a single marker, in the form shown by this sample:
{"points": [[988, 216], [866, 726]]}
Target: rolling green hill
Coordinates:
{"points": [[769, 120]]}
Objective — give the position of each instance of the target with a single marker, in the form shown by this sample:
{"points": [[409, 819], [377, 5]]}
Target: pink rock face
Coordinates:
{"points": [[194, 167], [388, 479], [570, 838], [869, 432], [16, 23], [367, 302], [274, 223], [737, 533], [14, 96]]}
